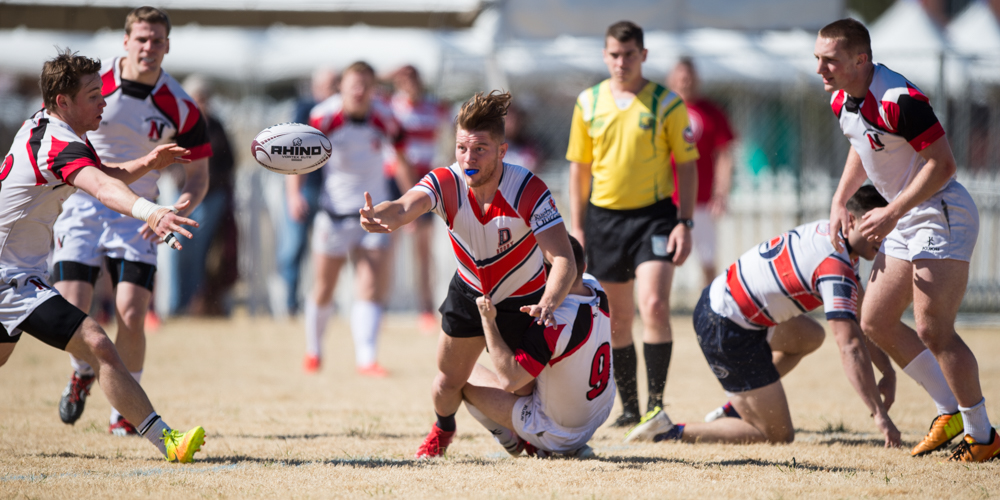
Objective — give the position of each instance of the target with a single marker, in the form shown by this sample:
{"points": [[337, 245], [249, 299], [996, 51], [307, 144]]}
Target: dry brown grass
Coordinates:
{"points": [[275, 432]]}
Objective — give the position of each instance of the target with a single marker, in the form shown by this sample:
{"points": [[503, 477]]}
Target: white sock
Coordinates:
{"points": [[152, 429], [927, 372], [114, 413], [977, 423], [506, 437], [80, 366], [366, 317], [316, 319]]}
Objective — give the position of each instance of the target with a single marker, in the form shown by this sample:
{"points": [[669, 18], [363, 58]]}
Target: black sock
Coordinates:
{"points": [[446, 424], [624, 363], [657, 358]]}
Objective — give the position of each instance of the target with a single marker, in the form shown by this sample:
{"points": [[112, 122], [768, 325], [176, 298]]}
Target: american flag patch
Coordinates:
{"points": [[845, 297]]}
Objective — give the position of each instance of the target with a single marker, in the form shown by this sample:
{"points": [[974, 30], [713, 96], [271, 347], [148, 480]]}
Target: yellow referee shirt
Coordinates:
{"points": [[629, 149]]}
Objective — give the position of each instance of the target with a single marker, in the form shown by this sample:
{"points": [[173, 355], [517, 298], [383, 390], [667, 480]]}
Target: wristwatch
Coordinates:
{"points": [[687, 222]]}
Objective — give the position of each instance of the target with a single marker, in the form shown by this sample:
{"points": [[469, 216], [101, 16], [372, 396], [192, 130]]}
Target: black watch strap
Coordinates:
{"points": [[687, 222]]}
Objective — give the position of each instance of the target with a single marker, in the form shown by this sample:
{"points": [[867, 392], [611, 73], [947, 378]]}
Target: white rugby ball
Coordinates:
{"points": [[291, 148]]}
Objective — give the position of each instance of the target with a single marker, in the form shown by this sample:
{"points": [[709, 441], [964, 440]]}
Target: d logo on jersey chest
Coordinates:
{"points": [[503, 239]]}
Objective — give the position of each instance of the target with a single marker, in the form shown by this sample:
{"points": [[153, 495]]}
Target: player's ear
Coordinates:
{"points": [[644, 53], [503, 149], [167, 51]]}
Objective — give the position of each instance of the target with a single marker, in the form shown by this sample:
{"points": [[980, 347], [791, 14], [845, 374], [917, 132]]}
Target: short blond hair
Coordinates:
{"points": [[63, 74], [485, 113], [147, 14]]}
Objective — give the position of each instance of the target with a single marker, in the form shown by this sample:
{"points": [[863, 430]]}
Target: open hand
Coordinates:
{"points": [[545, 314], [486, 309], [165, 155], [369, 222]]}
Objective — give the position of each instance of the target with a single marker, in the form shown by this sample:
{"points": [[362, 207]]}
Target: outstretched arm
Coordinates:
{"points": [[161, 157], [858, 368], [114, 194], [510, 373], [388, 216]]}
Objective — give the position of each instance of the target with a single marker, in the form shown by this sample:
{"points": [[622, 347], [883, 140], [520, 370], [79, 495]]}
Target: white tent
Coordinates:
{"points": [[975, 34]]}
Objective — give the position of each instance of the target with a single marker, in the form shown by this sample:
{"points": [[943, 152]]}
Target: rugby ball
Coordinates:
{"points": [[291, 148]]}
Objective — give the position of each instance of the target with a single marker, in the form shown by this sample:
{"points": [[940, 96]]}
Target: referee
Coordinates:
{"points": [[623, 133]]}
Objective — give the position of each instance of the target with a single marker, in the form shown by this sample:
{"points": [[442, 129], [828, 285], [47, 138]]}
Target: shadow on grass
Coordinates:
{"points": [[785, 466], [844, 437], [348, 434]]}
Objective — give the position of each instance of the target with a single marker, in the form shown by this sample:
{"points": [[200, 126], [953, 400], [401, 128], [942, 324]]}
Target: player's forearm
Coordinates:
{"points": [[510, 374], [195, 185], [579, 193], [853, 177], [723, 172], [929, 180], [858, 366], [562, 274], [879, 358], [687, 189]]}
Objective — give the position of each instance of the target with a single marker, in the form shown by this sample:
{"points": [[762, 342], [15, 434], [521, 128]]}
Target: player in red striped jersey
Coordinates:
{"points": [[51, 158], [757, 306], [503, 223]]}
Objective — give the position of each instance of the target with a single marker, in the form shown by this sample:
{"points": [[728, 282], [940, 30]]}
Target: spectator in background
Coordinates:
{"points": [[301, 210], [201, 283], [421, 117], [521, 149], [713, 137]]}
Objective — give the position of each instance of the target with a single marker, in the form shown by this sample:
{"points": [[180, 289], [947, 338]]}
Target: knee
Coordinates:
{"points": [[935, 339], [655, 309], [784, 435], [448, 384], [812, 341], [101, 347]]}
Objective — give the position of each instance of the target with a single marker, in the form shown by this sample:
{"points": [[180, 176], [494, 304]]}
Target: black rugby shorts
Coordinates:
{"points": [[460, 315], [617, 241]]}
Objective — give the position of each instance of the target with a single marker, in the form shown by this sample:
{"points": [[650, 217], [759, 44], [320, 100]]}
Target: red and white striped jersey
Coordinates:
{"points": [[421, 122], [786, 276], [33, 187], [571, 361], [888, 129], [497, 253], [355, 166], [140, 117]]}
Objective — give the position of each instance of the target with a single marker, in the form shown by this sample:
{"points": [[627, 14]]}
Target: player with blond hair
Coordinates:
{"points": [[503, 225], [50, 158]]}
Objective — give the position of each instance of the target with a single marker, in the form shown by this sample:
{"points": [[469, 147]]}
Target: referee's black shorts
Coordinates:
{"points": [[460, 315], [617, 241]]}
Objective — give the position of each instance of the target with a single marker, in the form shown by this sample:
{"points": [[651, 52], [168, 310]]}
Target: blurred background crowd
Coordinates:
{"points": [[249, 68]]}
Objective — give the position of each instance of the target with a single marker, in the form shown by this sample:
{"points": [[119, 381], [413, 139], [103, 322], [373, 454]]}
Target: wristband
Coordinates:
{"points": [[143, 209]]}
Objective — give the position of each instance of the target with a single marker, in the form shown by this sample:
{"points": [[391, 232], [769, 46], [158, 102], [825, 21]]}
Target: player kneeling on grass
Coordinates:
{"points": [[51, 158], [761, 299], [553, 390]]}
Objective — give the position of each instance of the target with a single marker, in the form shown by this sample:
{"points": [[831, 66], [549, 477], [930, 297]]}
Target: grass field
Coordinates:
{"points": [[273, 431]]}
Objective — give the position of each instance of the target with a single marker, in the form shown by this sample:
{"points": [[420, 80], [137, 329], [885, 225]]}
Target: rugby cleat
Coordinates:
{"points": [[968, 450], [654, 422], [181, 446], [311, 363], [626, 419], [723, 411], [122, 428], [435, 444], [74, 396], [944, 428], [515, 447], [373, 370]]}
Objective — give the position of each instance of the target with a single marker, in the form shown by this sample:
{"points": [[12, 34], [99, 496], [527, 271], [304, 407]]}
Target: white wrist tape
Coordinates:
{"points": [[143, 209]]}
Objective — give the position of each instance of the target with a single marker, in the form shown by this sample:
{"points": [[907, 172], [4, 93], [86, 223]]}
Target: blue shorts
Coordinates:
{"points": [[740, 358]]}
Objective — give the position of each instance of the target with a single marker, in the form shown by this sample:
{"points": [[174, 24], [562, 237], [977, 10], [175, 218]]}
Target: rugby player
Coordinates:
{"points": [[358, 128], [928, 229], [146, 108], [762, 299], [553, 390], [51, 157], [503, 224], [623, 134]]}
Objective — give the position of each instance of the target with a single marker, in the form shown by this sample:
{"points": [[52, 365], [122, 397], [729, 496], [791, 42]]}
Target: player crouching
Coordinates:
{"points": [[757, 306], [555, 388], [49, 159]]}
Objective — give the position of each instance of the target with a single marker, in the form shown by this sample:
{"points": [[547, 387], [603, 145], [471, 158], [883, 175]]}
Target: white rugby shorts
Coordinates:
{"points": [[703, 235], [19, 296], [534, 426], [87, 231], [943, 227], [337, 237]]}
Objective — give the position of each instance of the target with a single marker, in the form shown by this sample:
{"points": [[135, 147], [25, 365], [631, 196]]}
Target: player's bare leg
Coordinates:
{"points": [[131, 304], [372, 283], [5, 352], [74, 397], [621, 302], [653, 279], [765, 418], [456, 358], [793, 340], [483, 391], [93, 346], [319, 307], [889, 293]]}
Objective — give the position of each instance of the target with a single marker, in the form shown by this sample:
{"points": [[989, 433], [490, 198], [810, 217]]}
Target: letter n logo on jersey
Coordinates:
{"points": [[156, 127], [875, 141]]}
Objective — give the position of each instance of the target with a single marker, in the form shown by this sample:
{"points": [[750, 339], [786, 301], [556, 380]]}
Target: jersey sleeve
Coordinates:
{"points": [[535, 350], [581, 145], [837, 284], [677, 128], [442, 187], [535, 205], [68, 157], [193, 135], [914, 119]]}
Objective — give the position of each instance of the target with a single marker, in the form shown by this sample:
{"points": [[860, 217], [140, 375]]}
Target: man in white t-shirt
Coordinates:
{"points": [[50, 158], [555, 388], [929, 228]]}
